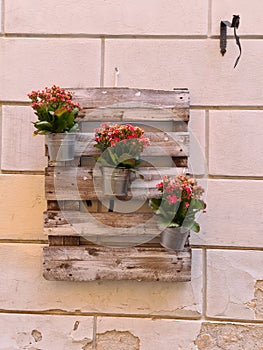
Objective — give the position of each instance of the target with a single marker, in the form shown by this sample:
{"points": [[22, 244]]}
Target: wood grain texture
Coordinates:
{"points": [[90, 263], [173, 144], [131, 98], [110, 228], [60, 218], [90, 240], [128, 114], [63, 240], [145, 124], [83, 183]]}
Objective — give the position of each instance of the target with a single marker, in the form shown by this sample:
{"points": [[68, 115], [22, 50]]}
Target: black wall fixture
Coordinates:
{"points": [[223, 35]]}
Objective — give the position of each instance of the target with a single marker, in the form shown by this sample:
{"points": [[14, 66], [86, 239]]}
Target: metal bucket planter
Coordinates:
{"points": [[174, 238], [61, 147], [115, 181]]}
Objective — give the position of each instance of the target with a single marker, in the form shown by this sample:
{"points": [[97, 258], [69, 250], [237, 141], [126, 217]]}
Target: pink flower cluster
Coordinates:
{"points": [[53, 99], [180, 188], [110, 135]]}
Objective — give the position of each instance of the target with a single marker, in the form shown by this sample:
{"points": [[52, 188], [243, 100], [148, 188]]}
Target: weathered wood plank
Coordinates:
{"points": [[63, 231], [131, 98], [67, 183], [52, 205], [173, 144], [133, 114], [64, 240], [70, 184], [164, 161], [146, 125], [89, 263], [60, 218], [65, 205], [107, 228]]}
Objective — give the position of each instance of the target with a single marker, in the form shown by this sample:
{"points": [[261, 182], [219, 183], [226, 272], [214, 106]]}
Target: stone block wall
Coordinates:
{"points": [[159, 45]]}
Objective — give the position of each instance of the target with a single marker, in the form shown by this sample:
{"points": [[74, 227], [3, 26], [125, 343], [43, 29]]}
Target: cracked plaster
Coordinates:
{"points": [[215, 336], [230, 285]]}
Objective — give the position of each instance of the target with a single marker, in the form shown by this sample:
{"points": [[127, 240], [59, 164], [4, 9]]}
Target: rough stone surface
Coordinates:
{"points": [[112, 340], [231, 278], [35, 332], [259, 299], [256, 303], [151, 334], [215, 336]]}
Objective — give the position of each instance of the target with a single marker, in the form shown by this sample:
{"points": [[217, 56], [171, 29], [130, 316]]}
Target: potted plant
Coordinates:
{"points": [[178, 202], [56, 114], [121, 145]]}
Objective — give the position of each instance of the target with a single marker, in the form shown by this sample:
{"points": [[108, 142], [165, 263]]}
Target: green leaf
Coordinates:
{"points": [[195, 227], [64, 120], [127, 163], [75, 111], [60, 111], [74, 128], [43, 125], [155, 203]]}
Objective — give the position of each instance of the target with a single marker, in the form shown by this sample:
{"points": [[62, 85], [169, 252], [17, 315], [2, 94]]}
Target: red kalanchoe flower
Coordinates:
{"points": [[55, 110], [121, 144], [180, 201]]}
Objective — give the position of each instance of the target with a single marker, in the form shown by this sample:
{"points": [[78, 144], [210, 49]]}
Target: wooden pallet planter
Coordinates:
{"points": [[94, 237]]}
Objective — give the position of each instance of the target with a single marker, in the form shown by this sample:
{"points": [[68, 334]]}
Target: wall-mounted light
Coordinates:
{"points": [[223, 35]]}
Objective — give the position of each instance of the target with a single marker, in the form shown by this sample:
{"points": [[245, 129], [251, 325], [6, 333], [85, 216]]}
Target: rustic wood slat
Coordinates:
{"points": [[89, 263], [52, 205], [77, 212], [127, 114], [67, 183], [111, 229], [145, 124], [131, 98], [164, 161], [60, 218], [63, 240], [64, 230], [173, 144], [65, 205]]}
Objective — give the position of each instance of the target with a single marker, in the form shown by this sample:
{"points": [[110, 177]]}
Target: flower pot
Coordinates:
{"points": [[61, 147], [174, 238], [115, 181]]}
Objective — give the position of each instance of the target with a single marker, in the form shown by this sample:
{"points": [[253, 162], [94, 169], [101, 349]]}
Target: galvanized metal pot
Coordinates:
{"points": [[115, 181], [174, 238], [61, 147]]}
